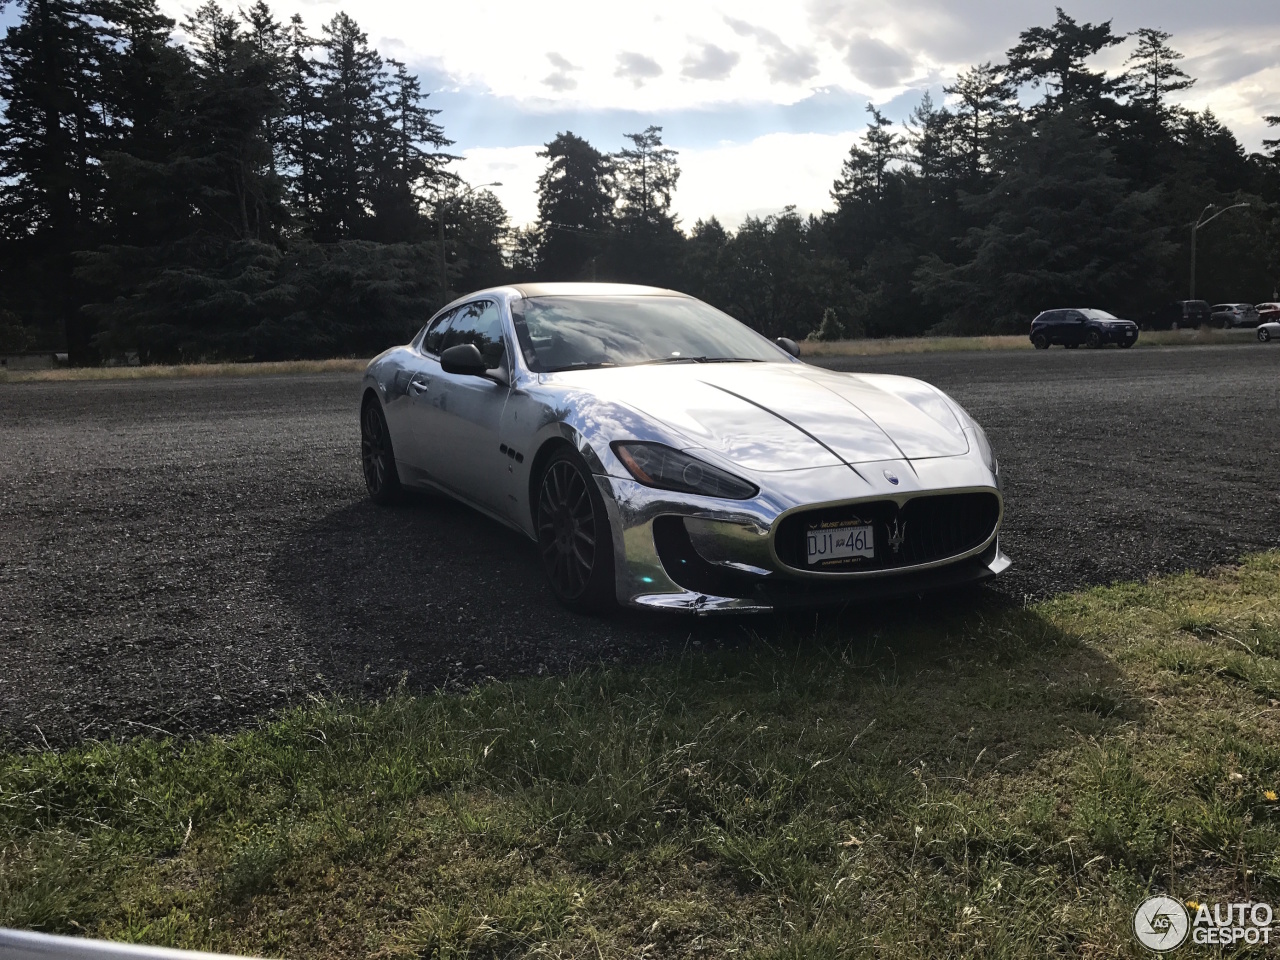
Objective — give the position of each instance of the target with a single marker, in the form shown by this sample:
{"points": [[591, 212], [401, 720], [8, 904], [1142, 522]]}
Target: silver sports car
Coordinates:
{"points": [[663, 455]]}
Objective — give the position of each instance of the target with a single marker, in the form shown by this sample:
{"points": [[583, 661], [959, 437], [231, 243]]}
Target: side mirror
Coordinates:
{"points": [[789, 345], [464, 359]]}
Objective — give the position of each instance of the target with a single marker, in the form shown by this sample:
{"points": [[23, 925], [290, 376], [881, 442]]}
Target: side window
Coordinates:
{"points": [[435, 334], [1075, 316], [479, 323]]}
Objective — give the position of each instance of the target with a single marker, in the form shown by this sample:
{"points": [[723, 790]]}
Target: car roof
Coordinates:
{"points": [[591, 290]]}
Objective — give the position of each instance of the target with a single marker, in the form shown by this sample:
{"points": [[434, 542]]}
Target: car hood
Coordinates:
{"points": [[784, 416]]}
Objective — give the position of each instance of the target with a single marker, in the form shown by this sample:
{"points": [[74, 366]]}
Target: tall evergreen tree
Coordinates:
{"points": [[53, 132], [647, 173], [646, 247], [1154, 73], [300, 122], [349, 87], [984, 106], [575, 208], [1056, 58], [1060, 226], [227, 159], [409, 160]]}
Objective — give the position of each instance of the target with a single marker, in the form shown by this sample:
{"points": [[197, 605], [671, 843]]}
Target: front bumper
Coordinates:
{"points": [[697, 554]]}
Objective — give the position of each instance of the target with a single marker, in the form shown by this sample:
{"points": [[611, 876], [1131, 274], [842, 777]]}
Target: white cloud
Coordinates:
{"points": [[710, 63], [733, 180], [728, 181]]}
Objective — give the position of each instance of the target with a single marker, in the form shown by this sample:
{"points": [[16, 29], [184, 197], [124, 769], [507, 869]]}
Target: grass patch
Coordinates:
{"points": [[160, 372], [962, 780], [875, 348], [836, 348]]}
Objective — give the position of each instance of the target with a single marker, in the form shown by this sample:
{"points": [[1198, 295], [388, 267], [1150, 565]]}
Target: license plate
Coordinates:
{"points": [[839, 543]]}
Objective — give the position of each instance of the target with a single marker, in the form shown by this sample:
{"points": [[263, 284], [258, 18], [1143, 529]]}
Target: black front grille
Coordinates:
{"points": [[926, 529]]}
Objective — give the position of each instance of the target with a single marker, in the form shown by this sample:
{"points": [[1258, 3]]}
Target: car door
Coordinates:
{"points": [[416, 389], [459, 424], [1073, 326]]}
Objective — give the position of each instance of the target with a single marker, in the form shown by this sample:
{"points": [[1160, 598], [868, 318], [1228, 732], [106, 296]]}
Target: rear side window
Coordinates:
{"points": [[435, 333], [479, 323]]}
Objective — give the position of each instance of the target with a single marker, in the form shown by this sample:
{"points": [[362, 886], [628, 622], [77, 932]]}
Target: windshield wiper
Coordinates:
{"points": [[584, 365], [698, 360]]}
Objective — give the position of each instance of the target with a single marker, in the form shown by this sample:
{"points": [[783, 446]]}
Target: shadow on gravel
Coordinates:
{"points": [[434, 595]]}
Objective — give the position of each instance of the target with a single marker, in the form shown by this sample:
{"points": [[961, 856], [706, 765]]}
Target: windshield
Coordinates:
{"points": [[574, 333], [1098, 315]]}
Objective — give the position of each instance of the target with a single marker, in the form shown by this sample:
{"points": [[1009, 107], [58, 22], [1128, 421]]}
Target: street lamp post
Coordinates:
{"points": [[1202, 222], [441, 209]]}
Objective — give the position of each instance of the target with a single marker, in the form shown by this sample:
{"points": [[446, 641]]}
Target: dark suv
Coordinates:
{"points": [[1179, 314], [1073, 327]]}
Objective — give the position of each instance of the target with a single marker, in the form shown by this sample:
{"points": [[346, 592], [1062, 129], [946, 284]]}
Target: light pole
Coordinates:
{"points": [[1201, 222], [441, 209]]}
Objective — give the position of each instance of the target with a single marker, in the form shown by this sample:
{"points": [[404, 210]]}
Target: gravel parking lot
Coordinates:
{"points": [[184, 555]]}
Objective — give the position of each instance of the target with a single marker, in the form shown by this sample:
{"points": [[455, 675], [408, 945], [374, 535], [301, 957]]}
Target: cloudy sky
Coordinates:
{"points": [[762, 99]]}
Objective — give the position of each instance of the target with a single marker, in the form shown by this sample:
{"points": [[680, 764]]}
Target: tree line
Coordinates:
{"points": [[257, 191]]}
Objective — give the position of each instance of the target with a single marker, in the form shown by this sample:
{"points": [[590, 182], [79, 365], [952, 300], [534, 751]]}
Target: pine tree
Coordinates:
{"points": [[300, 121], [984, 106], [1154, 73], [53, 135], [575, 208], [1059, 227], [1056, 58], [227, 158], [647, 242], [646, 174], [404, 166], [351, 113]]}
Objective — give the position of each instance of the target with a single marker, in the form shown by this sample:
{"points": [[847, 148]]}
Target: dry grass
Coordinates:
{"points": [[835, 348], [342, 365], [877, 348]]}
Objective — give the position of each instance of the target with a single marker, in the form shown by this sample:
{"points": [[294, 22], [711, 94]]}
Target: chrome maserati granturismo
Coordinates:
{"points": [[663, 455]]}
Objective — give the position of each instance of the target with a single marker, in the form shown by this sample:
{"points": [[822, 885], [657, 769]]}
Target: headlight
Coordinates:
{"points": [[656, 465], [984, 448]]}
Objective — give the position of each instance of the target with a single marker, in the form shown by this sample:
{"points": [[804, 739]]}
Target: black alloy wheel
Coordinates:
{"points": [[377, 456], [1040, 341], [574, 539], [1094, 340]]}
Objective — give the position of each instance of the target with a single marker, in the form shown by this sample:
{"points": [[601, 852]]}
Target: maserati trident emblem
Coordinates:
{"points": [[891, 477], [897, 534]]}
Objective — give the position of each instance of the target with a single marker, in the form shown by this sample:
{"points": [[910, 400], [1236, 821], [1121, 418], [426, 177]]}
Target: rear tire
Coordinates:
{"points": [[377, 456], [575, 541]]}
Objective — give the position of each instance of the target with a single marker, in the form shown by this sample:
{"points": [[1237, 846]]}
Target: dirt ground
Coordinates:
{"points": [[186, 555]]}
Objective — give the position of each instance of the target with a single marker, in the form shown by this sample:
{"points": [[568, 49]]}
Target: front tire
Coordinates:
{"points": [[1263, 335], [377, 456], [574, 538], [1094, 340]]}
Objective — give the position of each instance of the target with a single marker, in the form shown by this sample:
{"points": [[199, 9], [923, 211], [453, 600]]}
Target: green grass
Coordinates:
{"points": [[921, 781]]}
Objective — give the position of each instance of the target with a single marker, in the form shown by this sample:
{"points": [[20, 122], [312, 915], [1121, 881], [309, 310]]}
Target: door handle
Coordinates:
{"points": [[419, 385]]}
